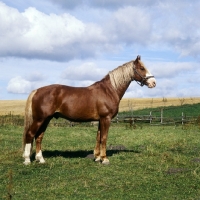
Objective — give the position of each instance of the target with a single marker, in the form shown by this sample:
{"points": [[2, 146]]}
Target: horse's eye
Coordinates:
{"points": [[142, 68]]}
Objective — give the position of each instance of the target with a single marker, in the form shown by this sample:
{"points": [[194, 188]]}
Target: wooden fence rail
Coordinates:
{"points": [[150, 119]]}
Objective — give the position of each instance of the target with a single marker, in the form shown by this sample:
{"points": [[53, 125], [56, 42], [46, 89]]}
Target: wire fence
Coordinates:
{"points": [[153, 118]]}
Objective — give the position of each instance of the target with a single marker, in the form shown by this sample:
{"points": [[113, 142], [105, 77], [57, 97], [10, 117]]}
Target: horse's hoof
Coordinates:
{"points": [[98, 159], [26, 162], [40, 160], [106, 162]]}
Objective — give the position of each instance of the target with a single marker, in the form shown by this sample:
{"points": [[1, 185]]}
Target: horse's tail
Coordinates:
{"points": [[28, 118]]}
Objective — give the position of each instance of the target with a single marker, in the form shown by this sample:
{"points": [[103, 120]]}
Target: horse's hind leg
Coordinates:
{"points": [[28, 140], [27, 153], [38, 141], [97, 147]]}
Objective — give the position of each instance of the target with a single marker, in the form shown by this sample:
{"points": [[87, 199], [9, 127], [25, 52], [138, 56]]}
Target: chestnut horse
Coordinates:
{"points": [[98, 102]]}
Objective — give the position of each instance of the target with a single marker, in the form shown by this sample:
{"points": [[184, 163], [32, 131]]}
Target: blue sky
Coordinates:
{"points": [[76, 42]]}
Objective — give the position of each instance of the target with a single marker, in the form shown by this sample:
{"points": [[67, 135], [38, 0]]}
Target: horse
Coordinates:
{"points": [[97, 102]]}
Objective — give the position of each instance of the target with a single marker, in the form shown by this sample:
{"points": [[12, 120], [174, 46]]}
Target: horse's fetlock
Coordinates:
{"points": [[105, 161]]}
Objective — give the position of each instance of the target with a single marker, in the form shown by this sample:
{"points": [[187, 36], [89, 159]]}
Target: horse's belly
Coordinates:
{"points": [[80, 114]]}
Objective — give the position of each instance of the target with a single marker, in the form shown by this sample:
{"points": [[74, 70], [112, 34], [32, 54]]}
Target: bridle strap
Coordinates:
{"points": [[144, 79]]}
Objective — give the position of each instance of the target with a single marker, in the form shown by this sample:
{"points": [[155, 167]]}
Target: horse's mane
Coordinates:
{"points": [[122, 74]]}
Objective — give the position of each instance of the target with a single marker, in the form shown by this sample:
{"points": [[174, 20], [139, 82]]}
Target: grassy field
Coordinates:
{"points": [[149, 162], [141, 103], [17, 107]]}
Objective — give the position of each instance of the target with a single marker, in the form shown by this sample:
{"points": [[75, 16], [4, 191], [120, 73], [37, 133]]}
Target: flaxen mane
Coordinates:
{"points": [[122, 74]]}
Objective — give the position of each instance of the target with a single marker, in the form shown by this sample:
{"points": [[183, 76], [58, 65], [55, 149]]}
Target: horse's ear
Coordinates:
{"points": [[138, 58]]}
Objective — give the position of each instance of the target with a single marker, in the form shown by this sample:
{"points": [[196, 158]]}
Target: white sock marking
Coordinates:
{"points": [[39, 157], [27, 152]]}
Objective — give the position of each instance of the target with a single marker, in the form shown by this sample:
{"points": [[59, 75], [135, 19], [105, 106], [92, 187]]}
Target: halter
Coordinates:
{"points": [[144, 79]]}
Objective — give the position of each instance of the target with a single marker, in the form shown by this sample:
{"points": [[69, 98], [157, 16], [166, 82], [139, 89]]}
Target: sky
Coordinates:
{"points": [[77, 42]]}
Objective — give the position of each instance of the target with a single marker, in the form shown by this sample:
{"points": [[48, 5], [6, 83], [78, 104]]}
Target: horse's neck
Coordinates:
{"points": [[121, 78], [122, 89], [118, 92]]}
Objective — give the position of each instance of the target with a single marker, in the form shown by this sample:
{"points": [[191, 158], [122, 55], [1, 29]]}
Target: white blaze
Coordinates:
{"points": [[151, 82]]}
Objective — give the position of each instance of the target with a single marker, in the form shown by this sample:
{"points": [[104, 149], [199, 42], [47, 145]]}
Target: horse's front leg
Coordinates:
{"points": [[38, 142], [104, 127], [97, 147]]}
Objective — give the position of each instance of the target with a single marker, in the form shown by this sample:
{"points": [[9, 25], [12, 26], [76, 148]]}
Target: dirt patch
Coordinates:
{"points": [[90, 156], [195, 160], [176, 170], [116, 147]]}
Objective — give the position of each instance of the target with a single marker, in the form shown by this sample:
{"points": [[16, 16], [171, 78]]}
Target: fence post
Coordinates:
{"points": [[133, 120], [161, 115], [150, 117], [182, 118]]}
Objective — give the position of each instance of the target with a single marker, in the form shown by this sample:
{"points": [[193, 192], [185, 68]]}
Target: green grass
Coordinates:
{"points": [[170, 111], [158, 163]]}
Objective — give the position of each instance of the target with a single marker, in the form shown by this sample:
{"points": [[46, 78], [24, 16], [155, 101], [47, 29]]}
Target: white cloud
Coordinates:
{"points": [[12, 25], [25, 84], [34, 34], [50, 31], [19, 85], [175, 24], [129, 25], [37, 35]]}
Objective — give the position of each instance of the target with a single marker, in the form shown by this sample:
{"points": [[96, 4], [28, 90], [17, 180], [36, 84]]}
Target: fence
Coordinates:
{"points": [[152, 119], [156, 120], [10, 119]]}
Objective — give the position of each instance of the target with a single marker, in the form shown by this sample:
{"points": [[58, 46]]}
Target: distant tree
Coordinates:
{"points": [[181, 101]]}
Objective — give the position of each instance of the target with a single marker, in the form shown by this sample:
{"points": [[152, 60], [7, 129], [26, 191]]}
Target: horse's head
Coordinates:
{"points": [[142, 75]]}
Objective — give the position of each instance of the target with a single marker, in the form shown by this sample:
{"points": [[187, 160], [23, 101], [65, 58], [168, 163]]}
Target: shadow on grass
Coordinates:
{"points": [[111, 150], [79, 154]]}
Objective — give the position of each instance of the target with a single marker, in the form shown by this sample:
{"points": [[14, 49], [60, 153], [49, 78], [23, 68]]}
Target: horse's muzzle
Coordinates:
{"points": [[151, 82]]}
